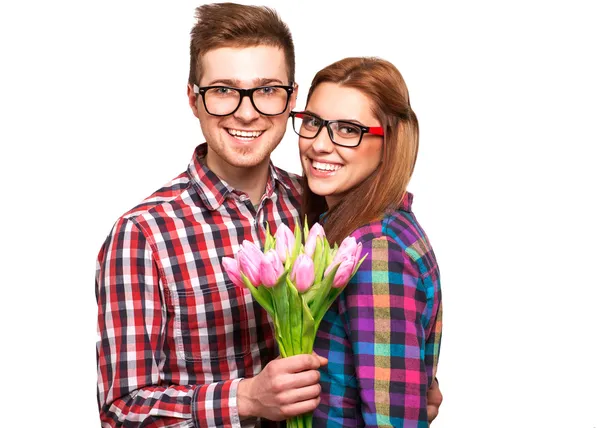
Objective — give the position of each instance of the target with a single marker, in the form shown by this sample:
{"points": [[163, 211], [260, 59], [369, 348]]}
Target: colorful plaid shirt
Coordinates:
{"points": [[175, 335], [382, 337]]}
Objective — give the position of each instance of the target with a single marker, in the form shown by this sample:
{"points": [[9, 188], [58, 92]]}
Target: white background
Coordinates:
{"points": [[94, 117]]}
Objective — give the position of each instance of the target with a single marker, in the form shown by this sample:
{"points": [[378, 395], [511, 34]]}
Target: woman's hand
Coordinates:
{"points": [[434, 400]]}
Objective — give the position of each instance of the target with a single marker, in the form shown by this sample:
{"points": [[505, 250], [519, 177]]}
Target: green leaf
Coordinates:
{"points": [[308, 328], [282, 310], [295, 318], [325, 298], [267, 298], [358, 265], [320, 295], [269, 240], [328, 301], [298, 243], [280, 340], [306, 231], [310, 294], [319, 259], [334, 250], [260, 294], [333, 294], [329, 253]]}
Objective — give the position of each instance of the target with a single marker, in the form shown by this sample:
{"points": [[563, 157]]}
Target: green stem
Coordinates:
{"points": [[308, 419], [299, 421]]}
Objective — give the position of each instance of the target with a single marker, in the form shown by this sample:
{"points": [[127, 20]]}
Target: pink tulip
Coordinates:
{"points": [[284, 242], [271, 268], [230, 265], [311, 242], [342, 275], [349, 247], [252, 249], [303, 273], [249, 258], [348, 250]]}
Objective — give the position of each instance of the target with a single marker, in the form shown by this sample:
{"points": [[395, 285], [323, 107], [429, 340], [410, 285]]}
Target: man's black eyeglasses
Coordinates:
{"points": [[269, 100]]}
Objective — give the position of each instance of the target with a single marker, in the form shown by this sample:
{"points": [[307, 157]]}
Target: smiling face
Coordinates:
{"points": [[246, 138], [332, 170]]}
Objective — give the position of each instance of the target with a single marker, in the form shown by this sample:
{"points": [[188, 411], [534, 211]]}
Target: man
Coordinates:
{"points": [[179, 345]]}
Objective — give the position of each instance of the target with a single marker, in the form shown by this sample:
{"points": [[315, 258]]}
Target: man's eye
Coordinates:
{"points": [[221, 91], [267, 90]]}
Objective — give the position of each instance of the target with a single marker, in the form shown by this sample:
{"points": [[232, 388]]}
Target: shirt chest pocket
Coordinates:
{"points": [[210, 323]]}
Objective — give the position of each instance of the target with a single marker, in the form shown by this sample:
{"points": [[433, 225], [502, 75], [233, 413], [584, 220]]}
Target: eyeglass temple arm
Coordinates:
{"points": [[377, 130]]}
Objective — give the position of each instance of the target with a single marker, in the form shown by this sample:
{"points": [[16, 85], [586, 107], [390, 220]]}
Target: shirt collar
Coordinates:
{"points": [[212, 190], [406, 204]]}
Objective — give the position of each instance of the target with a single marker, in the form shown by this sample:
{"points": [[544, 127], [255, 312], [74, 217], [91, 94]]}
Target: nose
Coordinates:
{"points": [[322, 142], [246, 112]]}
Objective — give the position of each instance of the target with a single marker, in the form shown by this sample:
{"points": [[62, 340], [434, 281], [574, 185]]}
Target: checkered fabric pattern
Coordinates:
{"points": [[382, 337], [175, 335]]}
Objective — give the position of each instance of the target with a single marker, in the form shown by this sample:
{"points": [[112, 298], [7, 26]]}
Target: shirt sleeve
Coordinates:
{"points": [[432, 347], [384, 307], [131, 334]]}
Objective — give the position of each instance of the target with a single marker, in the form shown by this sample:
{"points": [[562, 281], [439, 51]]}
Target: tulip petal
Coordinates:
{"points": [[284, 242], [230, 265], [303, 273], [343, 274]]}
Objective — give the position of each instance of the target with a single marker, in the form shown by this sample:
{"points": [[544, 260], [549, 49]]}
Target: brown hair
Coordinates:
{"points": [[220, 25], [383, 190]]}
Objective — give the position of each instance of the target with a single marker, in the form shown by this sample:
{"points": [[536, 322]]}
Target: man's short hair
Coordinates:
{"points": [[220, 25]]}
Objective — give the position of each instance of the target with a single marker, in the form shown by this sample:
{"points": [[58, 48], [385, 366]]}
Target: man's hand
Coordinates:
{"points": [[286, 387], [434, 400]]}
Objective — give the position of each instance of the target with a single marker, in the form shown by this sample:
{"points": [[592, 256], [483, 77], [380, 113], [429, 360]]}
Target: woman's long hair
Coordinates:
{"points": [[384, 189]]}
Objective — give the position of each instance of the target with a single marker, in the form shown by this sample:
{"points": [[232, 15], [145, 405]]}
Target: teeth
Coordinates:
{"points": [[244, 134], [325, 166]]}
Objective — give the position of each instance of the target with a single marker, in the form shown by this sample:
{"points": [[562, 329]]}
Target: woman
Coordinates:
{"points": [[358, 145]]}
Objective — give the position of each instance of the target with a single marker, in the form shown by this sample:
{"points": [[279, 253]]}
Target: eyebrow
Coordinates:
{"points": [[256, 82], [357, 122]]}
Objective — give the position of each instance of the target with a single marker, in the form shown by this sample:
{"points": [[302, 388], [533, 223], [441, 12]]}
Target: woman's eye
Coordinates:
{"points": [[313, 122], [348, 130]]}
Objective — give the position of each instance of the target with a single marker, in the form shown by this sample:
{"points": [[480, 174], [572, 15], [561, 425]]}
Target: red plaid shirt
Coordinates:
{"points": [[175, 335]]}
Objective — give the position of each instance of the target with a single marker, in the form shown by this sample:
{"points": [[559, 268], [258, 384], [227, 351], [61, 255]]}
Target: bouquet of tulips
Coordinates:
{"points": [[295, 279]]}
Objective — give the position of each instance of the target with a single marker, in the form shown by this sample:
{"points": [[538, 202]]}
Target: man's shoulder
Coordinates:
{"points": [[151, 214], [291, 180], [166, 194]]}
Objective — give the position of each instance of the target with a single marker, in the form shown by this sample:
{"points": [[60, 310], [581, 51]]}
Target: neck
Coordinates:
{"points": [[250, 180]]}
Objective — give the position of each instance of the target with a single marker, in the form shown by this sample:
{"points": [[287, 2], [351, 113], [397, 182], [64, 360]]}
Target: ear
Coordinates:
{"points": [[294, 97], [192, 100]]}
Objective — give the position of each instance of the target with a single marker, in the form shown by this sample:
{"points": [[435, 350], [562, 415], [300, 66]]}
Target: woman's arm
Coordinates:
{"points": [[385, 302]]}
